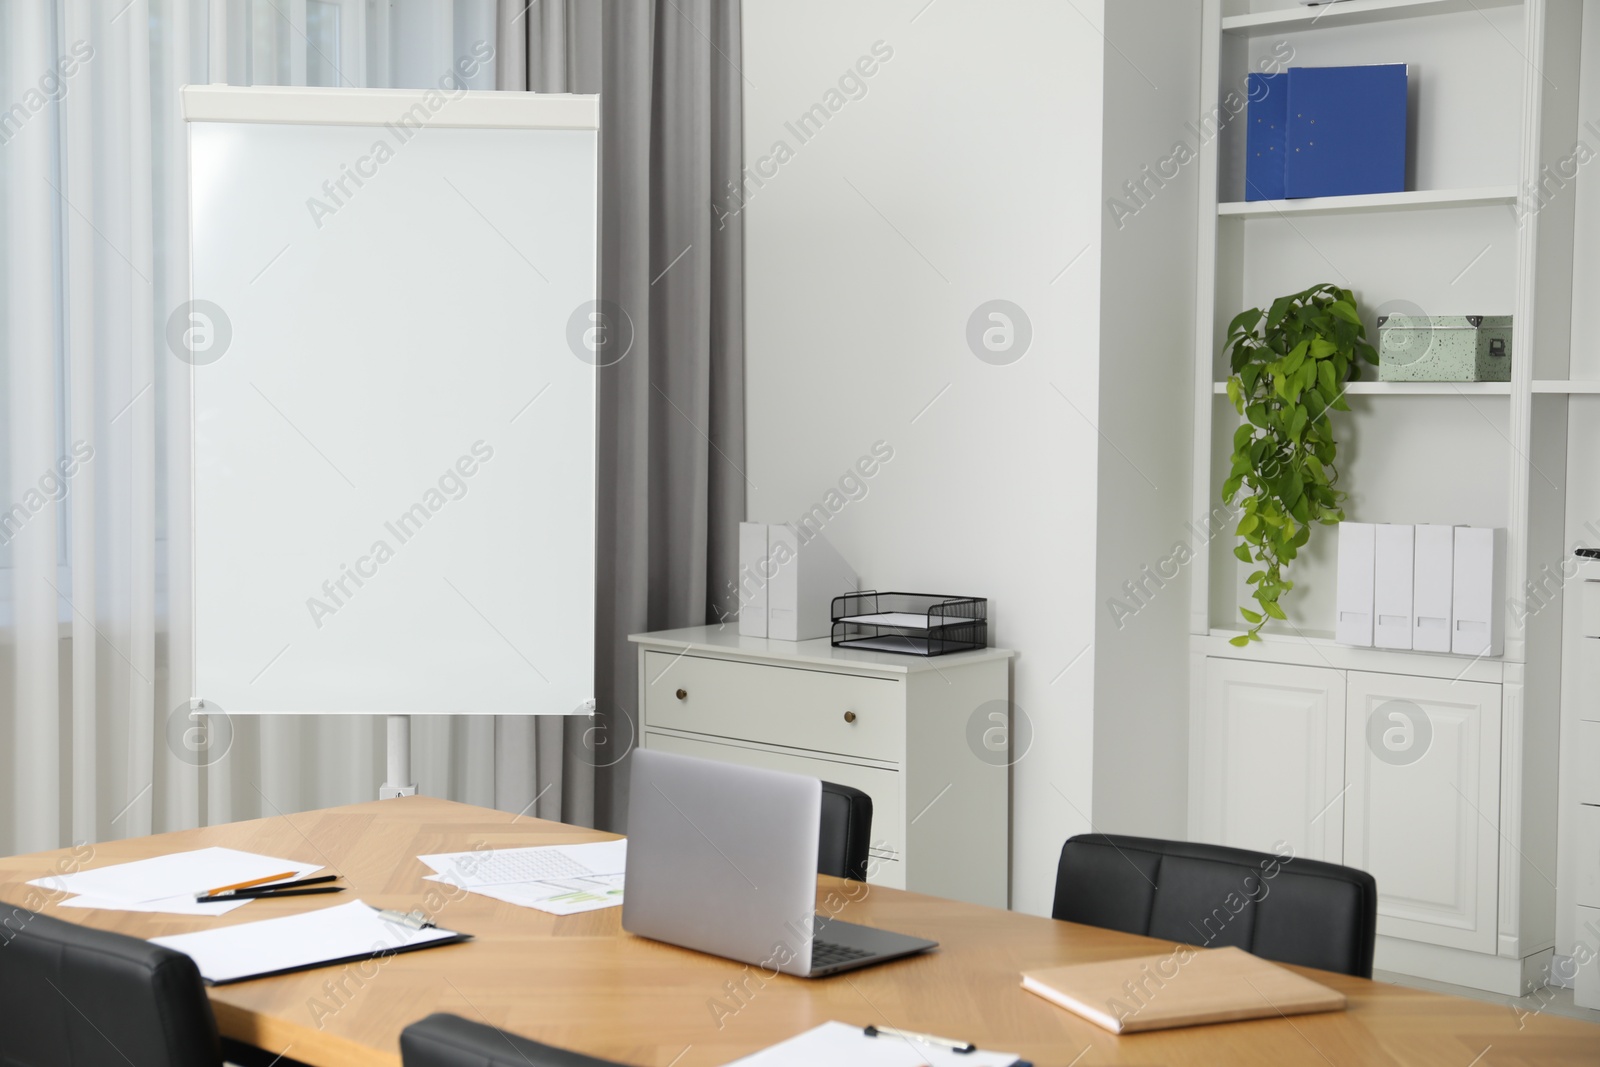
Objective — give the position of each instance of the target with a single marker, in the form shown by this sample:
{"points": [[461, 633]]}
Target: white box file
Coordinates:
{"points": [[1392, 619], [1432, 585], [1353, 606], [753, 578], [807, 573], [787, 582], [1478, 611]]}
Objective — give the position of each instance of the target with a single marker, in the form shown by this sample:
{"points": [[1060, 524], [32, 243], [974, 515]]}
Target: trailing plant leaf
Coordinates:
{"points": [[1289, 367]]}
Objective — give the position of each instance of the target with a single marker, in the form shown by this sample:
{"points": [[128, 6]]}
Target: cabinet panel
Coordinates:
{"points": [[884, 787], [1586, 983], [818, 710], [1423, 808], [1586, 861], [1271, 758]]}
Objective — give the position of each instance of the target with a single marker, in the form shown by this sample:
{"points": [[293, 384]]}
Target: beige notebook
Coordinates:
{"points": [[1184, 987]]}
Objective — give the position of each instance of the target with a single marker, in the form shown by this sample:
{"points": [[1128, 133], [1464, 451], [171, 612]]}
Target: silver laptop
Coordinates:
{"points": [[723, 859]]}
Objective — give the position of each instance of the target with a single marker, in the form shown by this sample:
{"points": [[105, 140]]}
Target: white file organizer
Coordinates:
{"points": [[1433, 579], [1477, 623], [788, 579], [1357, 551], [1392, 576], [1426, 588]]}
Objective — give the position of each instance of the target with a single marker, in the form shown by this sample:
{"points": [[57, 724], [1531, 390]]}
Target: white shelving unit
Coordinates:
{"points": [[1348, 13], [1570, 388], [1422, 388], [1503, 196], [1462, 896]]}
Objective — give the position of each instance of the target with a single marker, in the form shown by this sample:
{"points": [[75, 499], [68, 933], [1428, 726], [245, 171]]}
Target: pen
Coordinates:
{"points": [[252, 883], [261, 890], [926, 1039], [416, 919], [272, 894]]}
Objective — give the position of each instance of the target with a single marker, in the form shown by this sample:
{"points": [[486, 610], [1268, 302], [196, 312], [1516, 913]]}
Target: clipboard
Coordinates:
{"points": [[837, 1042], [347, 933]]}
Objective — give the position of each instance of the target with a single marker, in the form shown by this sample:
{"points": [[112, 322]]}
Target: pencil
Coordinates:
{"points": [[250, 884]]}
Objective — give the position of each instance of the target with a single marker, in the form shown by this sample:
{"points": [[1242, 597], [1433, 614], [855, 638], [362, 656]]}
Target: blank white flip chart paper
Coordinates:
{"points": [[393, 381]]}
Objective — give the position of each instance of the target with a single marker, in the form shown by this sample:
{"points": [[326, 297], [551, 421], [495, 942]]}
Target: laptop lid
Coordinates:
{"points": [[723, 859]]}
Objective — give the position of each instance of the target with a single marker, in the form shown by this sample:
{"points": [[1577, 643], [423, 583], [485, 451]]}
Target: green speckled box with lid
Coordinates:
{"points": [[1444, 348]]}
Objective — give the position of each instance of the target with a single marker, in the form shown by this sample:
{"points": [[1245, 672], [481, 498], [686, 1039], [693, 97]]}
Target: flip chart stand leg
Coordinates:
{"points": [[399, 782]]}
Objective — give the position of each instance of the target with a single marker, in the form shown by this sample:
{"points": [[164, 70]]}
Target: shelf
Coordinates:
{"points": [[1318, 649], [1485, 196], [1349, 13], [1562, 385], [1423, 388]]}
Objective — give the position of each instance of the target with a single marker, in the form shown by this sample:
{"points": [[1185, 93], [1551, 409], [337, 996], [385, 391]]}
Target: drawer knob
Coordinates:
{"points": [[683, 694], [849, 716]]}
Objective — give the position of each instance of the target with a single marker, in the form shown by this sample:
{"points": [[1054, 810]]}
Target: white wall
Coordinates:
{"points": [[1147, 292], [969, 170]]}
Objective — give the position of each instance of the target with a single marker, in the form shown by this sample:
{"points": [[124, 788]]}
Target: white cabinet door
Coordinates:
{"points": [[1423, 810], [1270, 758]]}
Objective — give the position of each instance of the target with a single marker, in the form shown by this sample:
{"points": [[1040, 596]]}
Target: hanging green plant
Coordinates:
{"points": [[1289, 365]]}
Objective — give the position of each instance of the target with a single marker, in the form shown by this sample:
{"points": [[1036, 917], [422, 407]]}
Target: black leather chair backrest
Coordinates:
{"points": [[846, 832], [443, 1040], [1278, 907], [77, 997]]}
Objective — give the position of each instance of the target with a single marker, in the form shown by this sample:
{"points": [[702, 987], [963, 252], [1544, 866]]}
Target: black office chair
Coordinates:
{"points": [[79, 997], [1308, 912], [443, 1040], [846, 832]]}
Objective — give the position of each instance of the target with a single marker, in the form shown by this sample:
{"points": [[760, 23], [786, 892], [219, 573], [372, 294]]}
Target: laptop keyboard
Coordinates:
{"points": [[830, 953]]}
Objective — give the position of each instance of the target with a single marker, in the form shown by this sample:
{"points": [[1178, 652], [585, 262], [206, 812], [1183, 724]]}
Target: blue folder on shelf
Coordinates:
{"points": [[1267, 136], [1347, 131]]}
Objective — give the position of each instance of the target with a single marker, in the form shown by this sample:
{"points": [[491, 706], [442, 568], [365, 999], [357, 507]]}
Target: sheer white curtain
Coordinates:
{"points": [[95, 740]]}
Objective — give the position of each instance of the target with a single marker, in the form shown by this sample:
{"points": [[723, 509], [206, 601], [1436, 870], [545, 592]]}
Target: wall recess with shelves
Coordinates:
{"points": [[1461, 837]]}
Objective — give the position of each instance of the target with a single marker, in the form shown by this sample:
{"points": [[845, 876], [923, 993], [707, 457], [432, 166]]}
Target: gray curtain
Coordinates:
{"points": [[671, 465]]}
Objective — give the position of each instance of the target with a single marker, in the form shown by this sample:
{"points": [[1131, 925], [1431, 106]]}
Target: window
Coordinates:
{"points": [[396, 44]]}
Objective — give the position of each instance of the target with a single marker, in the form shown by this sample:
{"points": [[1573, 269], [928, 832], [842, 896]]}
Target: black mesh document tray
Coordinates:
{"points": [[916, 624]]}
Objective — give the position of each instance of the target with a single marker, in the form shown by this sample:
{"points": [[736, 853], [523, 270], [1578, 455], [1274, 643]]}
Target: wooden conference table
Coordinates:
{"points": [[581, 983]]}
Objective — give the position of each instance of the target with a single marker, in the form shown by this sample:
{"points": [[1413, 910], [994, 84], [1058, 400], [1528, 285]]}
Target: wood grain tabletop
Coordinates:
{"points": [[582, 983]]}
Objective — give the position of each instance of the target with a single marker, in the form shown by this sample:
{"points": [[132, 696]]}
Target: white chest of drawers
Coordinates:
{"points": [[927, 738]]}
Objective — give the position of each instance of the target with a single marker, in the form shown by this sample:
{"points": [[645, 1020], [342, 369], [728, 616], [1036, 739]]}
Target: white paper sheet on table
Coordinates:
{"points": [[842, 1043], [559, 879], [184, 905], [567, 896], [295, 942], [169, 883]]}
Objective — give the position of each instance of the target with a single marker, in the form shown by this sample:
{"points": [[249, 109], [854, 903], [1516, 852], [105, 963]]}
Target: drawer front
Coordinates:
{"points": [[839, 714], [886, 872], [1589, 607], [1588, 685], [1589, 762], [888, 823]]}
